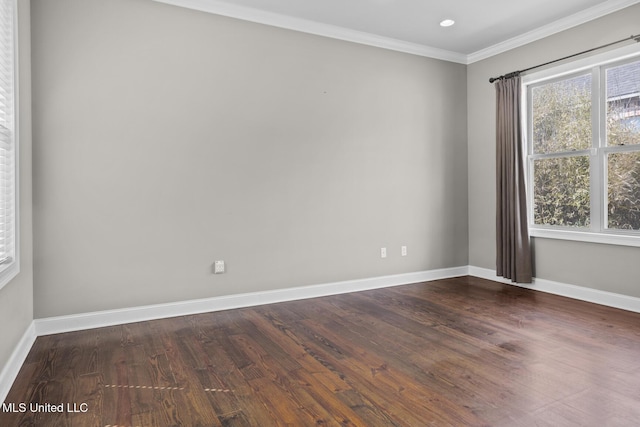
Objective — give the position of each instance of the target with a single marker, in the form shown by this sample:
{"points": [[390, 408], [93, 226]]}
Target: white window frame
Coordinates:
{"points": [[9, 270], [597, 233]]}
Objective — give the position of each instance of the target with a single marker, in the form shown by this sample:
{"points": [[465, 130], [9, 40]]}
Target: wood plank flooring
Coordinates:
{"points": [[455, 352]]}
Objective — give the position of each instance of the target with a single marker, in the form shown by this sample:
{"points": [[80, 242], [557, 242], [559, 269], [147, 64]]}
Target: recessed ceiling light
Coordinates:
{"points": [[447, 23]]}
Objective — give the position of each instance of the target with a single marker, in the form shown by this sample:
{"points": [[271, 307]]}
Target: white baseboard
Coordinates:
{"points": [[609, 299], [76, 322], [53, 325], [15, 362]]}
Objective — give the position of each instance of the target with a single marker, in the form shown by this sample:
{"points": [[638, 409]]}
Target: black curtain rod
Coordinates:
{"points": [[517, 73]]}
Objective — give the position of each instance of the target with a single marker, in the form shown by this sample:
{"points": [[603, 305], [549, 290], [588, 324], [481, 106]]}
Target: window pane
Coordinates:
{"points": [[562, 115], [623, 104], [624, 190], [561, 191]]}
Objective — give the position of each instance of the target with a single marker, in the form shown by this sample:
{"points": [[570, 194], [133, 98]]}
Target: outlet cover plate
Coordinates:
{"points": [[218, 267]]}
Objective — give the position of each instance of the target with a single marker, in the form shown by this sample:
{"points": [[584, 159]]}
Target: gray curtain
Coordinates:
{"points": [[513, 256]]}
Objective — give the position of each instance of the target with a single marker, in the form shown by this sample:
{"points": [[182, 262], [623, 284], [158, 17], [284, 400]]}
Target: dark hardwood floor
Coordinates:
{"points": [[460, 352]]}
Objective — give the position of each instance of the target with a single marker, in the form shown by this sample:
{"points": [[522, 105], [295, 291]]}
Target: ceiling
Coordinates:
{"points": [[482, 28]]}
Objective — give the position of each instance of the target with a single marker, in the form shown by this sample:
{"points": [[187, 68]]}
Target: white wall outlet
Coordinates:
{"points": [[403, 250], [383, 252], [218, 267]]}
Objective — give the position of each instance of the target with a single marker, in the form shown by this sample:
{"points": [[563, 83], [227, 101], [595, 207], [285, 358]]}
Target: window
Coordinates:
{"points": [[583, 147], [8, 149]]}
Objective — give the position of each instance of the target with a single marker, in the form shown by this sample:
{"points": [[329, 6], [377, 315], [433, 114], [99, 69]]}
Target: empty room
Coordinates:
{"points": [[303, 213]]}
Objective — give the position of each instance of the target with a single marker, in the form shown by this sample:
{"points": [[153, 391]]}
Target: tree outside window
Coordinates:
{"points": [[578, 157]]}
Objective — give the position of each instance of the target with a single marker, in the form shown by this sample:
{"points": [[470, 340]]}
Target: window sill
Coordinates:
{"points": [[9, 273], [586, 236]]}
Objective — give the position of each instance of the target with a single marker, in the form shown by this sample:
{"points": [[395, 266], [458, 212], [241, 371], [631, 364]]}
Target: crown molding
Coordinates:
{"points": [[219, 7], [574, 20], [297, 24]]}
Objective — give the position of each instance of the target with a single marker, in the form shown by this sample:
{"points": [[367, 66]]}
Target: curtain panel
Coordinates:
{"points": [[513, 257]]}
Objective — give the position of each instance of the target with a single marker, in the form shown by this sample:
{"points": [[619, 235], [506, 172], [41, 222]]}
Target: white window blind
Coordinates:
{"points": [[7, 141]]}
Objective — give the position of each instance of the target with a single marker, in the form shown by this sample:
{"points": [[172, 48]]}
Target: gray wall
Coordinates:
{"points": [[166, 138], [16, 298], [605, 267]]}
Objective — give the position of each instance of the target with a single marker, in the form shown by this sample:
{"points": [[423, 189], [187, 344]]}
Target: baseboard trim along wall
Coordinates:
{"points": [[77, 322], [13, 366], [53, 325], [596, 296]]}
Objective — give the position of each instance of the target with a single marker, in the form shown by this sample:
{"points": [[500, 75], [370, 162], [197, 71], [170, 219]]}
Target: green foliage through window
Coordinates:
{"points": [[562, 191], [569, 143], [562, 115], [623, 209]]}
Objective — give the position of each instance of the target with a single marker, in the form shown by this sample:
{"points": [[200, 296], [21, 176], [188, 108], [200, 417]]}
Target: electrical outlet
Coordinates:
{"points": [[403, 250], [383, 252], [218, 267]]}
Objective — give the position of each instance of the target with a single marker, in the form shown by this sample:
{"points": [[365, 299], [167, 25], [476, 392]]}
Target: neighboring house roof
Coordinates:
{"points": [[623, 80]]}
